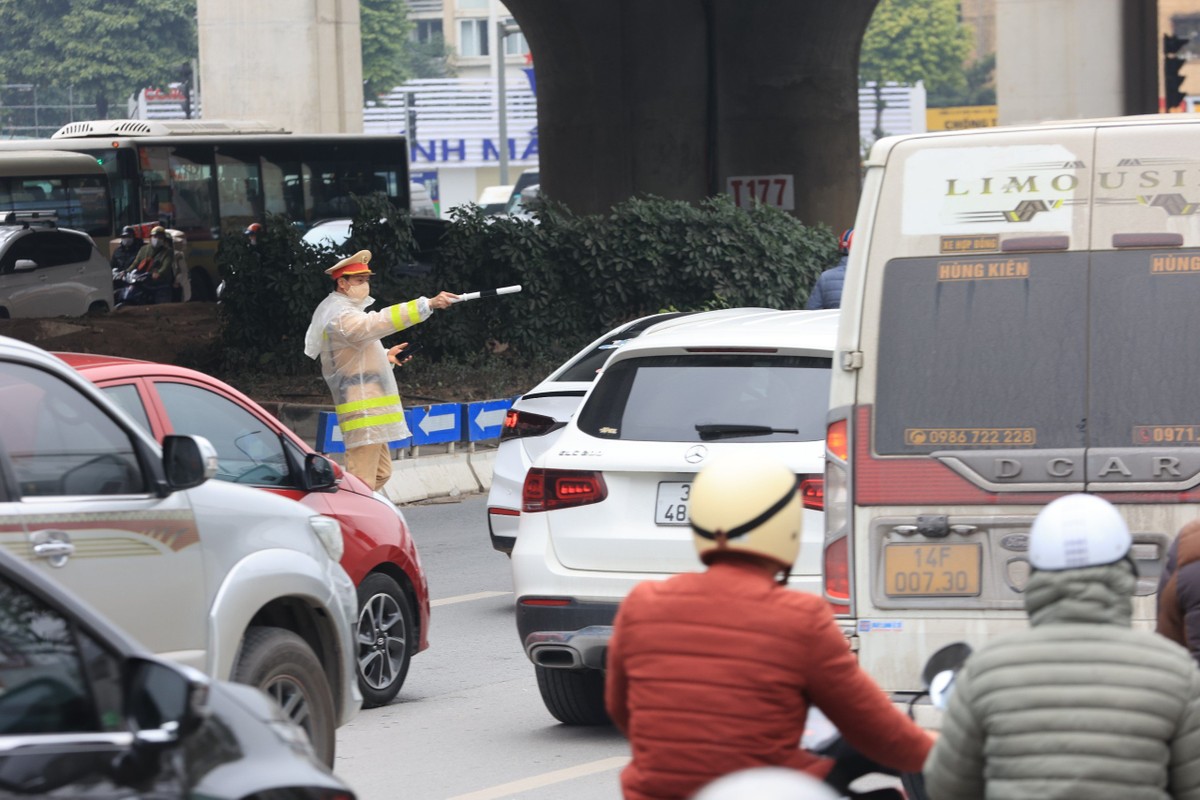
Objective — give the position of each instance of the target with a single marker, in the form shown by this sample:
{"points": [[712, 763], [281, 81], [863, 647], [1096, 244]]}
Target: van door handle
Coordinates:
{"points": [[54, 546]]}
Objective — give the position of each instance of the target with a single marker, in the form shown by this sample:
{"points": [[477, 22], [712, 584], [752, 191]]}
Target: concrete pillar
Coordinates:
{"points": [[672, 97], [1074, 59], [296, 63]]}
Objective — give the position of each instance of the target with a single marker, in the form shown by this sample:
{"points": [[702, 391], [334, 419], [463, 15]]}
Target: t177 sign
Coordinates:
{"points": [[768, 190]]}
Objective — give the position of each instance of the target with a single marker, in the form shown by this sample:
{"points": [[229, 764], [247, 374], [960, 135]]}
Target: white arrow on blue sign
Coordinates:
{"points": [[436, 424], [486, 419]]}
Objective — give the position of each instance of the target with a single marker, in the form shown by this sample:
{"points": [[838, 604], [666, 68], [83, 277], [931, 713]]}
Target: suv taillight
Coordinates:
{"points": [[812, 492], [551, 489], [519, 424]]}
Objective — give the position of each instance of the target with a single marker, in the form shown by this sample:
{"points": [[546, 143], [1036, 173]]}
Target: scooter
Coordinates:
{"points": [[938, 677], [129, 288]]}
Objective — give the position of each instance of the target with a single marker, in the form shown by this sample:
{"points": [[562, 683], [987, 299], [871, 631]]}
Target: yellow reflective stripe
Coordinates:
{"points": [[404, 314], [370, 422], [371, 402]]}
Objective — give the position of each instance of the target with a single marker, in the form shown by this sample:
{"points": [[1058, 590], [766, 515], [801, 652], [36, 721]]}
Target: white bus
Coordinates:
{"points": [[1021, 320]]}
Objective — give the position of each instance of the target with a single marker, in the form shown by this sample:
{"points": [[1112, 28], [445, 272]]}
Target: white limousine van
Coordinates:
{"points": [[1021, 320]]}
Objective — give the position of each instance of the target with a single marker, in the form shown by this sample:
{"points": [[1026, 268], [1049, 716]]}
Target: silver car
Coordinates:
{"points": [[231, 581], [47, 271]]}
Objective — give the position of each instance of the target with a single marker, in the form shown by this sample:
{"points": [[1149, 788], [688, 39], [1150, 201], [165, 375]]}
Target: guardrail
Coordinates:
{"points": [[442, 423]]}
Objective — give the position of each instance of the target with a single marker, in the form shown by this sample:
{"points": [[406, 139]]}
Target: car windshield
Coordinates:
{"points": [[750, 397]]}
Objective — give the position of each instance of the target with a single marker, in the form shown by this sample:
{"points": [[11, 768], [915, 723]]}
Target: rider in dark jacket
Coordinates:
{"points": [[123, 256], [827, 292]]}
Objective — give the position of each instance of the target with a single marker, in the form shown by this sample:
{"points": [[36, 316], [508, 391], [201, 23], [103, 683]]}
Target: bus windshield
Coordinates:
{"points": [[70, 187]]}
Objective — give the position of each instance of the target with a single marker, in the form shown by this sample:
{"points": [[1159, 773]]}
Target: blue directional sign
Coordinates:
{"points": [[436, 424], [329, 435], [486, 419]]}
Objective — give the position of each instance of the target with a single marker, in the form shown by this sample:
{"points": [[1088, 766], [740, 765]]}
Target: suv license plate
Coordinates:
{"points": [[932, 570], [672, 507]]}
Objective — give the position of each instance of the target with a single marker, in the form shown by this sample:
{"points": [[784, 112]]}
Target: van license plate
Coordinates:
{"points": [[672, 506], [932, 570]]}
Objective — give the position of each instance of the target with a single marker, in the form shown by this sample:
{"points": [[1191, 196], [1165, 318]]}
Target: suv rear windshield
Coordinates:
{"points": [[1044, 350], [665, 398]]}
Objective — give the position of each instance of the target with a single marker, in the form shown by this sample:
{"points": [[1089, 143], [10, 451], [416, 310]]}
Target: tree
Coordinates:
{"points": [[386, 32], [106, 50], [916, 40], [431, 59]]}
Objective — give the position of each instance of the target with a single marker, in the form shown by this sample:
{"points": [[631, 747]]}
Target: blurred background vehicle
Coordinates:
{"points": [[256, 449], [494, 199], [87, 712], [48, 271]]}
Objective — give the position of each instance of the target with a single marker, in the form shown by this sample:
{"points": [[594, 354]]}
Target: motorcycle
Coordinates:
{"points": [[938, 676], [129, 288]]}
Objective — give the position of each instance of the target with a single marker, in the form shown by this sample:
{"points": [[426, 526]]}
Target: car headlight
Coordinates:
{"points": [[329, 531]]}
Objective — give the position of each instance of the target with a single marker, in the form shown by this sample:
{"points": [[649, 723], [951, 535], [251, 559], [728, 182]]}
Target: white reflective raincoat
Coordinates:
{"points": [[354, 363]]}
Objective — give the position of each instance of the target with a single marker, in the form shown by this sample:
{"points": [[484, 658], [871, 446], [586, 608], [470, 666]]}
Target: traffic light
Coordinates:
{"points": [[1172, 65]]}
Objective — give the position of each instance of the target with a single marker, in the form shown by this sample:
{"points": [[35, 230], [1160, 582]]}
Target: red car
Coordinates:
{"points": [[256, 449]]}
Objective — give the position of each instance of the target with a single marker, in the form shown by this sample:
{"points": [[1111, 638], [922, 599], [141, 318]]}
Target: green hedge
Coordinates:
{"points": [[581, 275]]}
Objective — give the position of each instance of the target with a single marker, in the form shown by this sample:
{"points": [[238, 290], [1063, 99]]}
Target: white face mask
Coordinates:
{"points": [[358, 291], [127, 241], [159, 243]]}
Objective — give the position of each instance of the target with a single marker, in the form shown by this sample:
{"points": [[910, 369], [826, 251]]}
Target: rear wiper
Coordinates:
{"points": [[708, 432]]}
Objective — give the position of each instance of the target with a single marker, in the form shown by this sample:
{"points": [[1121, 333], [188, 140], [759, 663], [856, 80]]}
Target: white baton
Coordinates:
{"points": [[488, 293]]}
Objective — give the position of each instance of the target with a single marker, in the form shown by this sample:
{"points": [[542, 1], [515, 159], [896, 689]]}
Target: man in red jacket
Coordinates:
{"points": [[713, 672]]}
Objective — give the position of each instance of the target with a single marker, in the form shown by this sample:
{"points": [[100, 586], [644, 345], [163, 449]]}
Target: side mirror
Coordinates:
{"points": [[164, 703], [941, 670], [320, 474], [25, 265], [941, 687], [188, 461]]}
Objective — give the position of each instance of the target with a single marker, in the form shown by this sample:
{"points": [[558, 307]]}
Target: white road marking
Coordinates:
{"points": [[466, 598], [546, 779]]}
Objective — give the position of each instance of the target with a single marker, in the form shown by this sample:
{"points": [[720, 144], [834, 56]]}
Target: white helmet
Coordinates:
{"points": [[746, 505], [1079, 530], [767, 783]]}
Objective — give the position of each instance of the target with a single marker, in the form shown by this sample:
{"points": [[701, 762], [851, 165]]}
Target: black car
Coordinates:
{"points": [[86, 712]]}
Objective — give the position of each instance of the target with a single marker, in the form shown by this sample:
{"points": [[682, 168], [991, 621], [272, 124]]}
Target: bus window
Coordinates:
{"points": [[156, 185], [239, 192], [286, 190], [120, 165], [192, 184]]}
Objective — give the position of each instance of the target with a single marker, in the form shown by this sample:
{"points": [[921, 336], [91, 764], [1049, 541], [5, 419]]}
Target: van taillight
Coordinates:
{"points": [[519, 424], [812, 493], [837, 575], [836, 440], [551, 489]]}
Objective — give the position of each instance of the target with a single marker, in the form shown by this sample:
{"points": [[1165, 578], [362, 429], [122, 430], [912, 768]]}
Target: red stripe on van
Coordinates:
{"points": [[920, 480]]}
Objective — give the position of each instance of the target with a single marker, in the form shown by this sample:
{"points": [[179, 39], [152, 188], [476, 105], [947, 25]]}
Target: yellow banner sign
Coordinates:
{"points": [[960, 118]]}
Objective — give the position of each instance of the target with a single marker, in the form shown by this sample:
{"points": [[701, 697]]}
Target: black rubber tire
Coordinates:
{"points": [[385, 637], [202, 286], [282, 664], [98, 307], [573, 697]]}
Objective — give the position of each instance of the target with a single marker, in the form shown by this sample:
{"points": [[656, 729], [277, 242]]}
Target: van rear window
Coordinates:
{"points": [[1145, 337], [982, 352]]}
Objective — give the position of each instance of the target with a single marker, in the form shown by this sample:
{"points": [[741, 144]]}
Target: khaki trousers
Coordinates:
{"points": [[371, 462]]}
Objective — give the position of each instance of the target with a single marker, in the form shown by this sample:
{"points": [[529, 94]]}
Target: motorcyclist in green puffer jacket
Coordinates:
{"points": [[1079, 705]]}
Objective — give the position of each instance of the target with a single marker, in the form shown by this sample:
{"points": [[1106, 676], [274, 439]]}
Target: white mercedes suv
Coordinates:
{"points": [[607, 505]]}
